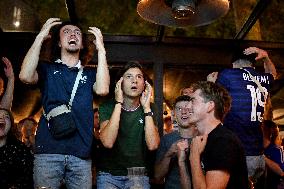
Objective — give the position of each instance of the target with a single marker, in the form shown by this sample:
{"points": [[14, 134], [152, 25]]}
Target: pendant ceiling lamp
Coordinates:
{"points": [[182, 13]]}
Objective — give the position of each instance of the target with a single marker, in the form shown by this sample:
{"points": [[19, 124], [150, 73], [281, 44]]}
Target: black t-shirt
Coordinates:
{"points": [[224, 151]]}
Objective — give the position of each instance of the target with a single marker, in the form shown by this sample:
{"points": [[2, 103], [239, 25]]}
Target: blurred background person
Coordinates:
{"points": [[274, 155], [16, 160], [95, 146], [28, 126], [96, 124], [168, 126], [7, 98]]}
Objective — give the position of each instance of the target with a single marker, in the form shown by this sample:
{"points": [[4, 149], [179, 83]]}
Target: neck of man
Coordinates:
{"points": [[70, 59], [205, 126], [188, 132], [131, 104]]}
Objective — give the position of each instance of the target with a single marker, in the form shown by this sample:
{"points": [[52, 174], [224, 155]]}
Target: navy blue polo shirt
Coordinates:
{"points": [[56, 82]]}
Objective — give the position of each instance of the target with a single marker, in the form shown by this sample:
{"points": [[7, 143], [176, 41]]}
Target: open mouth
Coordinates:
{"points": [[184, 118], [2, 125], [72, 42], [133, 88]]}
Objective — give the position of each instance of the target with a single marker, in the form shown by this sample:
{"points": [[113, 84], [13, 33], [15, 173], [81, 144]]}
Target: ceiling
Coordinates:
{"points": [[173, 56]]}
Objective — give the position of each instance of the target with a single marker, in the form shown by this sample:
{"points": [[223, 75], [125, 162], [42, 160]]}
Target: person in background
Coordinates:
{"points": [[29, 126], [169, 158], [168, 126], [7, 98], [16, 160], [127, 130], [95, 147], [248, 102], [274, 154], [186, 91], [96, 124], [217, 158], [66, 158]]}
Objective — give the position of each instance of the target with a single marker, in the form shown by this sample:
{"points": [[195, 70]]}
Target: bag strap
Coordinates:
{"points": [[256, 82], [64, 109], [79, 75]]}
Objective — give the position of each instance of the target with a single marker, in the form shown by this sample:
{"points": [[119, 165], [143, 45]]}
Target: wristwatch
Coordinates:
{"points": [[149, 114]]}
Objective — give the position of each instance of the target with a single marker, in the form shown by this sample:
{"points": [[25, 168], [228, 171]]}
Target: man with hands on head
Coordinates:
{"points": [[7, 98], [127, 129], [260, 54], [216, 157], [172, 157], [248, 103], [67, 158]]}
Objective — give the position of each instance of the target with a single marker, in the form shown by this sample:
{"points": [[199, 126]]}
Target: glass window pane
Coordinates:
{"points": [[113, 17], [29, 15]]}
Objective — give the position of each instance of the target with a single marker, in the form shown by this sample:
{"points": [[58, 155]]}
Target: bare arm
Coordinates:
{"points": [[101, 86], [28, 73], [196, 148], [274, 167], [162, 166], [213, 179], [269, 67], [7, 99], [109, 128], [185, 180], [151, 131]]}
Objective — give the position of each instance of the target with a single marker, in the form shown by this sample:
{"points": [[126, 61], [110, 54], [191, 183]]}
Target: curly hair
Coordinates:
{"points": [[55, 38]]}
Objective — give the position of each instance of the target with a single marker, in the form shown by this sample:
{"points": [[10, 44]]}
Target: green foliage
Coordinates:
{"points": [[119, 17]]}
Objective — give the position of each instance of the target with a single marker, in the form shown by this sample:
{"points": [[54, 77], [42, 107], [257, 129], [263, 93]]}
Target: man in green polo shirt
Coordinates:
{"points": [[127, 130]]}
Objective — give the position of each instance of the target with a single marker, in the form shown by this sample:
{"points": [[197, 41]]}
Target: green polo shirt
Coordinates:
{"points": [[129, 149]]}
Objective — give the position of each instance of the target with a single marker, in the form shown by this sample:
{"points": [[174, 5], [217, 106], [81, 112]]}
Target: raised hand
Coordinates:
{"points": [[118, 91], [212, 77], [8, 69], [44, 32], [99, 42], [261, 54], [145, 98], [198, 144]]}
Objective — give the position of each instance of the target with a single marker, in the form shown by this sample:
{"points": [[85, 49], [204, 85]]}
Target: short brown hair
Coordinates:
{"points": [[219, 95]]}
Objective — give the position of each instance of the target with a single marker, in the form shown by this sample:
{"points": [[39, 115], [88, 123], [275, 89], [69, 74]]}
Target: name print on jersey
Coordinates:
{"points": [[261, 79]]}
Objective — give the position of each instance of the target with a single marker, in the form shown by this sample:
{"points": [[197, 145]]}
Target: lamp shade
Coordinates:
{"points": [[161, 12]]}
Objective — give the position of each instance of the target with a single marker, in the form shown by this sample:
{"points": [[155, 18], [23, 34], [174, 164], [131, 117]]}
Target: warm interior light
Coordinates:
{"points": [[17, 24], [17, 16]]}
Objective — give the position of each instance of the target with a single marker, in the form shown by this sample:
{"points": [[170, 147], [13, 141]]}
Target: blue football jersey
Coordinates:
{"points": [[247, 109]]}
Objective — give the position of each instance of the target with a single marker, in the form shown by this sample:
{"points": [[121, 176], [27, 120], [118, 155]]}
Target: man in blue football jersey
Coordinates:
{"points": [[249, 89]]}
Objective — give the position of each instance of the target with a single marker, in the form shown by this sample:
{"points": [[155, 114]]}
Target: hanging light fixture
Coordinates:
{"points": [[183, 9], [182, 13]]}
